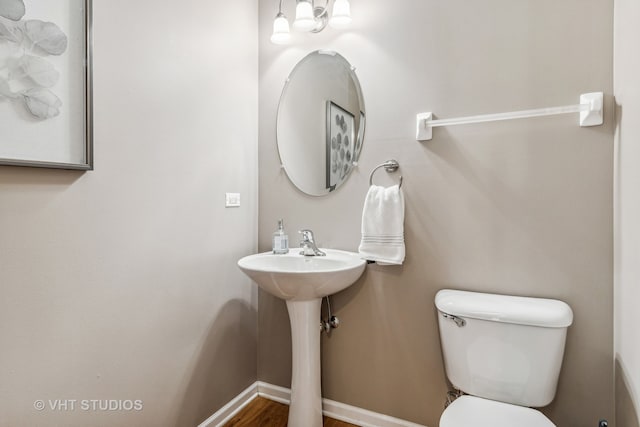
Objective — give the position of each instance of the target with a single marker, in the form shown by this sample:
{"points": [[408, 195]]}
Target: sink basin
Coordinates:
{"points": [[302, 282], [296, 277]]}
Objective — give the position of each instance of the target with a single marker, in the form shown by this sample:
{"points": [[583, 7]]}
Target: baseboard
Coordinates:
{"points": [[362, 417], [274, 392], [336, 410], [227, 412]]}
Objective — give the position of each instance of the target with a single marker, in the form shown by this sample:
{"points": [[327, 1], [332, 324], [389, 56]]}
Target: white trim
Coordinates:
{"points": [[336, 410], [361, 417], [227, 412], [274, 392]]}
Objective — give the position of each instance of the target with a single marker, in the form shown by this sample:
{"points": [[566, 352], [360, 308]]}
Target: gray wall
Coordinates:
{"points": [[121, 283], [521, 207], [627, 212]]}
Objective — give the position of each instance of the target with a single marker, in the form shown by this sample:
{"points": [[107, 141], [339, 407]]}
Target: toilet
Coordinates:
{"points": [[505, 353]]}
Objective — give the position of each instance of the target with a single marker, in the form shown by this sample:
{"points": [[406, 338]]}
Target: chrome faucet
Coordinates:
{"points": [[308, 244]]}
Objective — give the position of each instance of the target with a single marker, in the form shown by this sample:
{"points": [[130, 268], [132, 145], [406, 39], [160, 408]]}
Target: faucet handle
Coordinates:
{"points": [[307, 235]]}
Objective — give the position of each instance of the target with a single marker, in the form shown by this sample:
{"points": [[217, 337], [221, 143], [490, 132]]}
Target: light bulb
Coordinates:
{"points": [[341, 16], [305, 20], [281, 34]]}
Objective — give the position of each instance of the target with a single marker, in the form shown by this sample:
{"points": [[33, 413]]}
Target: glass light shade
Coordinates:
{"points": [[341, 16], [281, 34], [305, 20]]}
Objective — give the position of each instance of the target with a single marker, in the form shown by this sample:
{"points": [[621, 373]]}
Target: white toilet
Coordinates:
{"points": [[505, 353]]}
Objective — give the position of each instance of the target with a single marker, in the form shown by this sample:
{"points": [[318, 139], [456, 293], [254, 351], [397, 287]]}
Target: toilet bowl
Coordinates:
{"points": [[505, 352]]}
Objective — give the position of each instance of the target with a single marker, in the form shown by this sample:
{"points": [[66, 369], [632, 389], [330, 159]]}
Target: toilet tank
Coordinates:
{"points": [[502, 347]]}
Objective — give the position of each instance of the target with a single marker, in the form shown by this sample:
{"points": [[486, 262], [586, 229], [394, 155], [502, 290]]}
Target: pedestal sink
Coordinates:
{"points": [[302, 282]]}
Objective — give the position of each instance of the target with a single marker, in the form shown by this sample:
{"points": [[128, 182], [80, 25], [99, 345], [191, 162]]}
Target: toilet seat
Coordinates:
{"points": [[471, 411]]}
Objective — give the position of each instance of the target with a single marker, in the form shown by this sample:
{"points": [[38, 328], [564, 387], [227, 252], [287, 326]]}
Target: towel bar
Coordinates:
{"points": [[590, 109], [389, 166]]}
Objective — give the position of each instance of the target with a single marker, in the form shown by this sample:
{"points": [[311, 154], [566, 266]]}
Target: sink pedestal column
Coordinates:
{"points": [[306, 397]]}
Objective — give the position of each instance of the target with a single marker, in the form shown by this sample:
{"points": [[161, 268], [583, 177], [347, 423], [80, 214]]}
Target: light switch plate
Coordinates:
{"points": [[232, 200]]}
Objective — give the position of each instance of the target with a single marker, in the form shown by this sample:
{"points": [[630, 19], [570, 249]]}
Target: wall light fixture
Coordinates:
{"points": [[311, 18]]}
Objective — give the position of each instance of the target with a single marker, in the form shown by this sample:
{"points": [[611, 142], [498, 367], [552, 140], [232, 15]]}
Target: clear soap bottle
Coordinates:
{"points": [[280, 241]]}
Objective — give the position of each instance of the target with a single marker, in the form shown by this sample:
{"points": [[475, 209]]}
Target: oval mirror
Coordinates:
{"points": [[320, 125]]}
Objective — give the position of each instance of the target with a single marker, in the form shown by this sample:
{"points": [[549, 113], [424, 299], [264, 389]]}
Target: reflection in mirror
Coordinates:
{"points": [[321, 120]]}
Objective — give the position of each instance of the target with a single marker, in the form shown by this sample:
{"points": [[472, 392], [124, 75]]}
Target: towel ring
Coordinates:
{"points": [[389, 166]]}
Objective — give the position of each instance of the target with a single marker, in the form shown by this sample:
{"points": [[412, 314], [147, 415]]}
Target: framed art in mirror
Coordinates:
{"points": [[340, 144], [46, 84]]}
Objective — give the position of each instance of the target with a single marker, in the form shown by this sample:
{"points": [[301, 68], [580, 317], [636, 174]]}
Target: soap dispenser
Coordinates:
{"points": [[280, 241]]}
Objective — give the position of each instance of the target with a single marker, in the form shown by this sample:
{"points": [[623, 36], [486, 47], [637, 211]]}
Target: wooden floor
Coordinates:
{"points": [[261, 412]]}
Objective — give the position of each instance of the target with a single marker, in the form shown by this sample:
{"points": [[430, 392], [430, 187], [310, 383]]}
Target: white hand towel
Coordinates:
{"points": [[383, 225]]}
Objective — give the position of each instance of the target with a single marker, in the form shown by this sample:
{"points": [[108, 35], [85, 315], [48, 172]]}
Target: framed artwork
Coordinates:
{"points": [[340, 144], [46, 84], [360, 138]]}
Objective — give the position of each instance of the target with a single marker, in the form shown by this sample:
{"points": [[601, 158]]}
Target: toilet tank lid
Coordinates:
{"points": [[542, 312]]}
